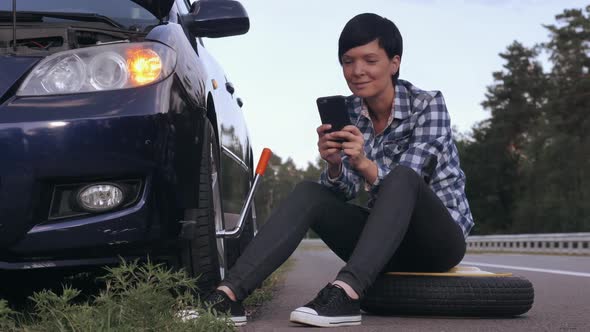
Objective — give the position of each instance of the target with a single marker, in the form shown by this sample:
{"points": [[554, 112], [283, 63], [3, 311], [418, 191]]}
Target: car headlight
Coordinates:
{"points": [[99, 68]]}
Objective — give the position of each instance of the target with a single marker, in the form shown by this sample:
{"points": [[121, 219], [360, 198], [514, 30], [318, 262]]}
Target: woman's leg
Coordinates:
{"points": [[408, 229], [309, 203]]}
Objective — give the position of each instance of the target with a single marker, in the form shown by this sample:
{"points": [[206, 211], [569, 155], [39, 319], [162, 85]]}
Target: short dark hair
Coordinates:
{"points": [[365, 28]]}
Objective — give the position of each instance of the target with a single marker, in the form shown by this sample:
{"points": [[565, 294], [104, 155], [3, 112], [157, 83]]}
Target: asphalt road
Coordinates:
{"points": [[562, 295]]}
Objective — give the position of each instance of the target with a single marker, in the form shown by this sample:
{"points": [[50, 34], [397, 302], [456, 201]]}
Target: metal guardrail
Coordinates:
{"points": [[558, 243]]}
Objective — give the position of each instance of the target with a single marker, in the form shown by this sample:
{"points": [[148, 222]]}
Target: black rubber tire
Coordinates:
{"points": [[449, 296], [198, 254]]}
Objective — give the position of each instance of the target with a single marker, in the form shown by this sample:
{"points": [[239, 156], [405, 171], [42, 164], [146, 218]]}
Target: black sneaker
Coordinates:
{"points": [[332, 307], [220, 302]]}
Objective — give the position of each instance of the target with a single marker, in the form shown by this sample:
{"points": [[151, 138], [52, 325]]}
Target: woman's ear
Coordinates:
{"points": [[395, 63]]}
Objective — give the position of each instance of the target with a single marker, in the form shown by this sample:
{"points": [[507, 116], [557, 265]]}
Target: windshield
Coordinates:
{"points": [[125, 12]]}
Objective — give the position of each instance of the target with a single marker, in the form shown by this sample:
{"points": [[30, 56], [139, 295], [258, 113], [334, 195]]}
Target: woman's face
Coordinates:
{"points": [[368, 70]]}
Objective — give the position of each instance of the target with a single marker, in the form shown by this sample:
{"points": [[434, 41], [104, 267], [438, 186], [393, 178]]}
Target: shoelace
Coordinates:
{"points": [[327, 295], [214, 299]]}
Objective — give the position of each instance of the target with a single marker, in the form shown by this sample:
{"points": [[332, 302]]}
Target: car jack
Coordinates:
{"points": [[260, 169]]}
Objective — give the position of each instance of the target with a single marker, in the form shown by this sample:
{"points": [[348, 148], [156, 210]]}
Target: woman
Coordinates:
{"points": [[400, 149]]}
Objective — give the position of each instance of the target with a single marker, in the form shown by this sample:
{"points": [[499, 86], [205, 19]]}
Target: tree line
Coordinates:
{"points": [[528, 164]]}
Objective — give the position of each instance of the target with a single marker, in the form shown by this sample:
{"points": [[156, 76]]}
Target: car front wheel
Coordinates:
{"points": [[203, 255]]}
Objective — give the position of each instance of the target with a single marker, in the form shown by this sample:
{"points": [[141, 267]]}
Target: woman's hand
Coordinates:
{"points": [[353, 146], [329, 150]]}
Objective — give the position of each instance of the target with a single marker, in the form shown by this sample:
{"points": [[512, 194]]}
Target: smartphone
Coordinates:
{"points": [[333, 111]]}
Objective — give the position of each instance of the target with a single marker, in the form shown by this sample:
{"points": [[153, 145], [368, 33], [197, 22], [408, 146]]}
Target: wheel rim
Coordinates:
{"points": [[218, 213]]}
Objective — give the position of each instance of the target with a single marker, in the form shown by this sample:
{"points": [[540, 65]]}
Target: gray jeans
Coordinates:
{"points": [[408, 229]]}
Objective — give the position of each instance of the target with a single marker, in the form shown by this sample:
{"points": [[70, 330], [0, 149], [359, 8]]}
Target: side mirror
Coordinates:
{"points": [[217, 18]]}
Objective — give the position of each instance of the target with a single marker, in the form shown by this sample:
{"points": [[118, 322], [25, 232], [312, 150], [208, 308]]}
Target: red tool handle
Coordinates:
{"points": [[263, 162]]}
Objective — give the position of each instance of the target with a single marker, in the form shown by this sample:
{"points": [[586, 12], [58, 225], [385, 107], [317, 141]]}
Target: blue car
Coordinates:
{"points": [[121, 136]]}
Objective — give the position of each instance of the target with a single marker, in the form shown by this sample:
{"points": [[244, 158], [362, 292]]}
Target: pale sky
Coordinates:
{"points": [[289, 57]]}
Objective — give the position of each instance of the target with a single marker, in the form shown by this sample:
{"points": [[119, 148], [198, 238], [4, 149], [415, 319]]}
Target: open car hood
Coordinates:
{"points": [[160, 8]]}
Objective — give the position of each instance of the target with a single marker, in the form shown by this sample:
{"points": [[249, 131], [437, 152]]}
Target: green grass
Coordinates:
{"points": [[135, 297], [146, 297], [7, 315]]}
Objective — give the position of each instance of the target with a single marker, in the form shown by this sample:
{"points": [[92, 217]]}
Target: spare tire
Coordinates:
{"points": [[444, 295]]}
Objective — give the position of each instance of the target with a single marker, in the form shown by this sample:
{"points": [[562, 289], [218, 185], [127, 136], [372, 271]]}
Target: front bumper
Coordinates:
{"points": [[93, 137]]}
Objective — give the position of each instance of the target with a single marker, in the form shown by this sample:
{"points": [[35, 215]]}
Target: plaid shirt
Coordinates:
{"points": [[418, 128]]}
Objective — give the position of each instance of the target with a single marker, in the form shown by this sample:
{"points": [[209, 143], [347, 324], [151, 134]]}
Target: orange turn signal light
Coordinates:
{"points": [[144, 65]]}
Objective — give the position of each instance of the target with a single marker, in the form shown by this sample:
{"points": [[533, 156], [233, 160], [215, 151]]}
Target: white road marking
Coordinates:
{"points": [[569, 273]]}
